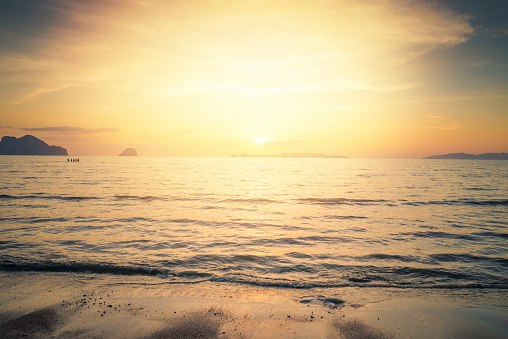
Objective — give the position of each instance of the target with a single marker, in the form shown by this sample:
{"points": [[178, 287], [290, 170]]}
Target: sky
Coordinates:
{"points": [[368, 79]]}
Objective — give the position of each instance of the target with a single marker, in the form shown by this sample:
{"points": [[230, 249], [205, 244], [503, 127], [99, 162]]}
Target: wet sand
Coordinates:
{"points": [[64, 305]]}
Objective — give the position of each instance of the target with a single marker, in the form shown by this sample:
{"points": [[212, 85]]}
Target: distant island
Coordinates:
{"points": [[484, 156], [129, 152], [287, 155], [28, 145]]}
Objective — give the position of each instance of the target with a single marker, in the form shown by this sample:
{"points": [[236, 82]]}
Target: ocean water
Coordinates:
{"points": [[296, 223]]}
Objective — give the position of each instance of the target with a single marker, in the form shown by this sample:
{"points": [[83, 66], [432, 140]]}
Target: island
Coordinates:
{"points": [[129, 152], [28, 145], [287, 155], [467, 156]]}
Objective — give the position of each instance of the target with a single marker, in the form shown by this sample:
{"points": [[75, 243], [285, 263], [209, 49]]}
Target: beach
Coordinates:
{"points": [[252, 248], [61, 305]]}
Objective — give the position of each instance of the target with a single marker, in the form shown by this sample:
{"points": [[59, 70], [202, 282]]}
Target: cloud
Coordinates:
{"points": [[443, 123], [497, 31], [500, 92], [71, 130], [251, 48]]}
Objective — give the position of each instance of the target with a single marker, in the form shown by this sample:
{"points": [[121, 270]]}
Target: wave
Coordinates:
{"points": [[468, 258], [480, 189], [42, 196], [492, 234], [435, 234], [489, 202], [77, 267], [359, 276], [317, 201], [7, 196], [79, 198], [98, 268]]}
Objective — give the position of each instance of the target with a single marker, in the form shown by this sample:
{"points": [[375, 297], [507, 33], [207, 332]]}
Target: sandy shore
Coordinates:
{"points": [[63, 305]]}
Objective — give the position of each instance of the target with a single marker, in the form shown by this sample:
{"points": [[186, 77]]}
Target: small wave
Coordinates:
{"points": [[435, 234], [365, 282], [264, 282], [137, 197], [8, 196], [341, 201], [44, 220], [468, 258], [192, 274], [344, 217], [133, 219], [299, 255], [302, 241], [394, 257], [492, 202], [480, 189], [76, 198], [251, 200], [492, 234]]}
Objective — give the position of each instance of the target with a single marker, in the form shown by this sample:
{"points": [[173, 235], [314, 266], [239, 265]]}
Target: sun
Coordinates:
{"points": [[261, 141]]}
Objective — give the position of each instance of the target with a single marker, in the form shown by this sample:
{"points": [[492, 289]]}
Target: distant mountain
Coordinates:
{"points": [[28, 145], [129, 152], [288, 155], [484, 156]]}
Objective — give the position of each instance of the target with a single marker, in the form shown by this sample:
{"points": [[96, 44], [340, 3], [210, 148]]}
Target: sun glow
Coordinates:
{"points": [[261, 141]]}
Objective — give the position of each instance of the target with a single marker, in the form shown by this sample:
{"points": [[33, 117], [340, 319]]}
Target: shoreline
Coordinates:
{"points": [[70, 305]]}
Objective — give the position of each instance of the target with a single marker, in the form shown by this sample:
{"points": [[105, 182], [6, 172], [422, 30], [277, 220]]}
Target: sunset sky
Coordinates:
{"points": [[389, 79]]}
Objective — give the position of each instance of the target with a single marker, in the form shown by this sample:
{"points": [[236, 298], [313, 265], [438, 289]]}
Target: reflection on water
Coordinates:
{"points": [[288, 222]]}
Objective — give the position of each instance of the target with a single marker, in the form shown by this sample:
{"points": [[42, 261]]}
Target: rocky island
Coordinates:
{"points": [[484, 156], [28, 145], [129, 152]]}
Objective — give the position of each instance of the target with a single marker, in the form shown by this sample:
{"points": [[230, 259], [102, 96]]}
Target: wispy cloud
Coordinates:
{"points": [[443, 123], [71, 130], [33, 94], [500, 92], [497, 31]]}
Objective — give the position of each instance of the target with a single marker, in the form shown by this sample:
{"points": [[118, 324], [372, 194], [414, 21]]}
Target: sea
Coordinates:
{"points": [[291, 223]]}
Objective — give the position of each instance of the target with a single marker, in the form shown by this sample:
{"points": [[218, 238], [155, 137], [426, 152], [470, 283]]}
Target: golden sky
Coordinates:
{"points": [[392, 78]]}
